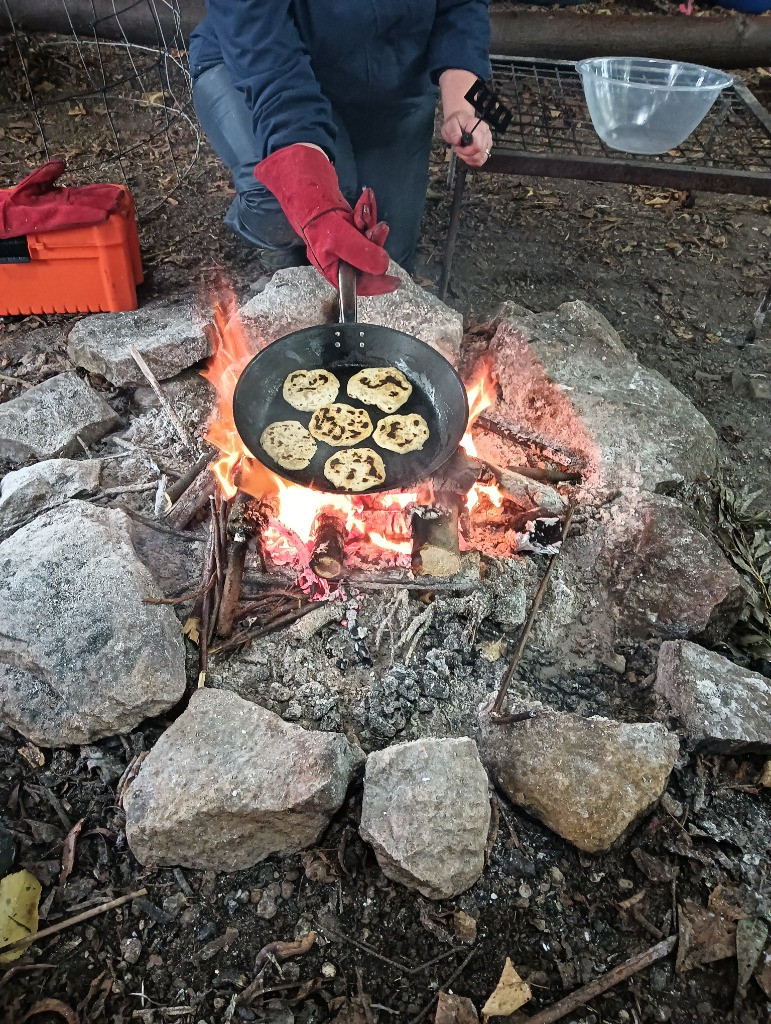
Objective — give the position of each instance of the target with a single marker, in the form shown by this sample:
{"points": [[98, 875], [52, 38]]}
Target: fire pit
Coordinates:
{"points": [[299, 546]]}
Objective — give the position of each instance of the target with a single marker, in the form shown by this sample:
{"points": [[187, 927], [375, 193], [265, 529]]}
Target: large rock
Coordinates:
{"points": [[169, 336], [722, 706], [426, 813], [664, 576], [28, 492], [566, 377], [588, 779], [47, 420], [300, 297], [230, 784], [81, 655]]}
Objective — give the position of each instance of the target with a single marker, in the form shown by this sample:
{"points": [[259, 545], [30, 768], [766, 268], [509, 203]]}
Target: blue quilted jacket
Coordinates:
{"points": [[293, 58]]}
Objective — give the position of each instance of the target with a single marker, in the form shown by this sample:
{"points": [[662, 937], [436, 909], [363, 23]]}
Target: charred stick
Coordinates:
{"points": [[328, 557], [60, 926], [435, 537], [521, 440], [245, 636], [192, 500], [236, 559], [606, 981], [495, 713], [179, 487], [176, 422], [546, 476]]}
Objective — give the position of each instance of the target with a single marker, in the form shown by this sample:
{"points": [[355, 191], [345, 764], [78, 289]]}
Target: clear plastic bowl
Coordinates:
{"points": [[640, 105]]}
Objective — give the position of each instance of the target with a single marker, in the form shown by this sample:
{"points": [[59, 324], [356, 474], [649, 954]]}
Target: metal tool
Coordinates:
{"points": [[488, 108]]}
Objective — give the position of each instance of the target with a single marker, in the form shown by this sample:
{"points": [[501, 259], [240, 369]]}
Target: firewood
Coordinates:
{"points": [[435, 538], [328, 557], [192, 500]]}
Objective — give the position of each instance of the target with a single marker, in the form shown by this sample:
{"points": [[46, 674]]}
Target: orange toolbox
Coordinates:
{"points": [[95, 269]]}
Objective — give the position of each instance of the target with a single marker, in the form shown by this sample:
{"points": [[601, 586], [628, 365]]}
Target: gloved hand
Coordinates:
{"points": [[305, 184], [37, 204]]}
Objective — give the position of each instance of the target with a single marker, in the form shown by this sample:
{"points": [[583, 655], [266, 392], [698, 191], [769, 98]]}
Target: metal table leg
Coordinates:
{"points": [[452, 231]]}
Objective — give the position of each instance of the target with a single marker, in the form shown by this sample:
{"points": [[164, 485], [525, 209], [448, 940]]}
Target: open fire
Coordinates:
{"points": [[376, 530]]}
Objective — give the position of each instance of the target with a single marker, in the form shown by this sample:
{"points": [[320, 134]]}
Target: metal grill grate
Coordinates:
{"points": [[551, 121]]}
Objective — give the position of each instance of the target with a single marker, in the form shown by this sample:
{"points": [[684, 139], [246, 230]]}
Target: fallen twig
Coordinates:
{"points": [[245, 635], [285, 950], [7, 379], [606, 981], [179, 486], [70, 921], [68, 851], [387, 960], [443, 988], [495, 713], [176, 422]]}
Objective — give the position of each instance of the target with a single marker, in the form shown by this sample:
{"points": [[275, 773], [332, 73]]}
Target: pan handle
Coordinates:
{"points": [[346, 279]]}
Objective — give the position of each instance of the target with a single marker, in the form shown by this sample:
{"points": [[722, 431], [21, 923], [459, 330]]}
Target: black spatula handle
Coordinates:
{"points": [[346, 283]]}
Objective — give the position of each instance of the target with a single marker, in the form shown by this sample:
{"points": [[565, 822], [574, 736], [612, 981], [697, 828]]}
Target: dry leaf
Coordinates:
{"points": [[19, 899], [192, 629], [77, 111], [51, 1006], [464, 927], [510, 993], [68, 851], [763, 973], [765, 778], [452, 1009], [751, 935], [703, 937], [33, 755]]}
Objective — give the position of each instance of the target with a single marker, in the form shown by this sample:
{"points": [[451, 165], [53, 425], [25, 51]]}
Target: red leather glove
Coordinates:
{"points": [[37, 204], [306, 186]]}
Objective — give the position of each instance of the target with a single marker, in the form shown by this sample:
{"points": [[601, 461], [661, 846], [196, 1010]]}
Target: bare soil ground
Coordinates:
{"points": [[681, 286]]}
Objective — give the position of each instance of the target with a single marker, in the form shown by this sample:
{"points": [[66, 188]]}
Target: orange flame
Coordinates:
{"points": [[481, 395]]}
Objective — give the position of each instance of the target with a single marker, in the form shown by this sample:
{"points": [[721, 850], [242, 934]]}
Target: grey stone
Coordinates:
{"points": [[426, 813], [169, 337], [588, 779], [81, 655], [664, 576], [566, 378], [722, 706], [229, 784], [47, 420], [28, 492], [131, 949], [300, 297]]}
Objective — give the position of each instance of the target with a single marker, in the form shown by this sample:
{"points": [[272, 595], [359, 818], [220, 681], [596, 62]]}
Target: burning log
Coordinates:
{"points": [[179, 486], [238, 532], [435, 537], [328, 557], [192, 500]]}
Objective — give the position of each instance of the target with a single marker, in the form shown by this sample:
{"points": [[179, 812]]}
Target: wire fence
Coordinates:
{"points": [[112, 109]]}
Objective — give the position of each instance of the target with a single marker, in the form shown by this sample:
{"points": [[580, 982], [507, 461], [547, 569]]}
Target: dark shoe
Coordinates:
{"points": [[280, 259]]}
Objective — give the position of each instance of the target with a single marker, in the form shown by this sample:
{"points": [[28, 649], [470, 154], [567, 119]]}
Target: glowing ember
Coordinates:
{"points": [[378, 526]]}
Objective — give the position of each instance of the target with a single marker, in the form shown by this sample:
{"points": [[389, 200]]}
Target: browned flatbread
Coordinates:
{"points": [[355, 469], [306, 390], [382, 386], [289, 444], [340, 424], [401, 433]]}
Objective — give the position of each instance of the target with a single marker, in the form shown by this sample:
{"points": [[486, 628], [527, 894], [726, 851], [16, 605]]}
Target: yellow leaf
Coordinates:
{"points": [[510, 993], [192, 629], [19, 899], [77, 111]]}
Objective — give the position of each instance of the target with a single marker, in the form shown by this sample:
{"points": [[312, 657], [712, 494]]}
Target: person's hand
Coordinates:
{"points": [[478, 150], [305, 184]]}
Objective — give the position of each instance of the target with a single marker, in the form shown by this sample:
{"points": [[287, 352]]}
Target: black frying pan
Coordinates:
{"points": [[437, 395]]}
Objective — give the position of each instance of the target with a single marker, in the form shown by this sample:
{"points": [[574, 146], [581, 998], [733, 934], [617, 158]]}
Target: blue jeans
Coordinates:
{"points": [[387, 150]]}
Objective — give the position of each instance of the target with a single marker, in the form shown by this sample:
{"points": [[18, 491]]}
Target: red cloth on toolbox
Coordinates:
{"points": [[306, 186], [37, 204]]}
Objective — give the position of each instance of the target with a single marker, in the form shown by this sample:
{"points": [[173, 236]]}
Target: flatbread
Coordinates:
{"points": [[355, 469], [288, 443], [306, 390], [382, 386], [401, 433], [340, 424]]}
